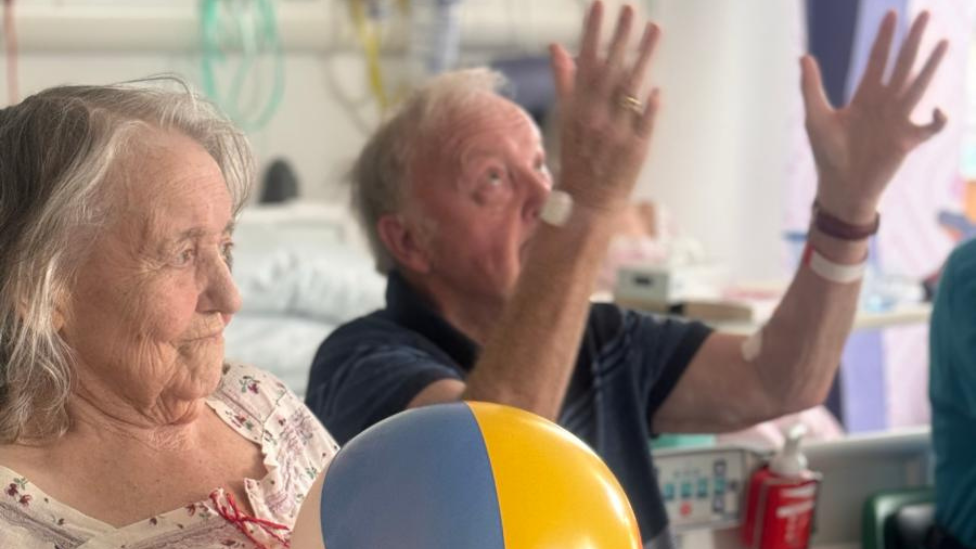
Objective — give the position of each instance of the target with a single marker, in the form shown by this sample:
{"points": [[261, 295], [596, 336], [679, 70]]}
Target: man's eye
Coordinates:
{"points": [[184, 258], [227, 253]]}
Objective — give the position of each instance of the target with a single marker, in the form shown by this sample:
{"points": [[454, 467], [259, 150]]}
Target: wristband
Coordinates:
{"points": [[834, 272], [840, 229]]}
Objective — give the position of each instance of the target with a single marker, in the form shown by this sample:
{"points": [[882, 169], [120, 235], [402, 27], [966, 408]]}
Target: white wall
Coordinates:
{"points": [[97, 42], [312, 130], [730, 77]]}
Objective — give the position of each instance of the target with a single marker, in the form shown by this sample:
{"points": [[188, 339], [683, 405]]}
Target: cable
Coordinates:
{"points": [[353, 105], [368, 33], [252, 28], [374, 22], [10, 47]]}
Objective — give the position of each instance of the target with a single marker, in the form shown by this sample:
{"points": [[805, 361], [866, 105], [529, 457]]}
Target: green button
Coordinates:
{"points": [[702, 488]]}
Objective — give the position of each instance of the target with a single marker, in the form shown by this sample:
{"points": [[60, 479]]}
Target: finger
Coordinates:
{"points": [[908, 53], [563, 72], [591, 35], [917, 88], [652, 33], [632, 83], [815, 101], [645, 123], [618, 46], [924, 132], [878, 59]]}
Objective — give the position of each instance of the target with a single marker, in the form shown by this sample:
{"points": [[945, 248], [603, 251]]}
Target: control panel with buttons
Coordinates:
{"points": [[704, 487]]}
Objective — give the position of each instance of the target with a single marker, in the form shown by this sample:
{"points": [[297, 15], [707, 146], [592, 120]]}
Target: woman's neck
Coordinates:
{"points": [[116, 423]]}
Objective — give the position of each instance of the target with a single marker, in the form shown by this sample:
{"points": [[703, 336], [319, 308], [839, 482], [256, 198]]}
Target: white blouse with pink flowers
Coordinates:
{"points": [[296, 449]]}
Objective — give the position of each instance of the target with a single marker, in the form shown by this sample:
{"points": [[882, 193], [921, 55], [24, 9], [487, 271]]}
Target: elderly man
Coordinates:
{"points": [[491, 263]]}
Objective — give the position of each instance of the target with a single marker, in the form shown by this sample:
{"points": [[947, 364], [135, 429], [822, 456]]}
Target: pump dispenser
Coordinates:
{"points": [[781, 499], [789, 461]]}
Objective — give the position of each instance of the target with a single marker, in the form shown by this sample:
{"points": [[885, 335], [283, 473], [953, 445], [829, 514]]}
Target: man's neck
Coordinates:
{"points": [[473, 315]]}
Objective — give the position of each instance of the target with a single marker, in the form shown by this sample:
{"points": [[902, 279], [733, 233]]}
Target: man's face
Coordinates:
{"points": [[478, 187]]}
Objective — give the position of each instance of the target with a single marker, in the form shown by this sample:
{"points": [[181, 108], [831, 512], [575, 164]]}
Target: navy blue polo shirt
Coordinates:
{"points": [[628, 363]]}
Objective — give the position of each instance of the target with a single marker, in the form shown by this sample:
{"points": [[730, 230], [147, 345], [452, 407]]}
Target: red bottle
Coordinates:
{"points": [[781, 500]]}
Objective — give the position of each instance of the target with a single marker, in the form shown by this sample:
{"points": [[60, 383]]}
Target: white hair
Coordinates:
{"points": [[381, 173], [56, 149]]}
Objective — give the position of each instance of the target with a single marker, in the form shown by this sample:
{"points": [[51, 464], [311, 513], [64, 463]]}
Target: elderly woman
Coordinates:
{"points": [[120, 423]]}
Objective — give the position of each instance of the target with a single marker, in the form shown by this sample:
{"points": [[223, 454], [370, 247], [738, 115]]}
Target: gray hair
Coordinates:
{"points": [[382, 172], [56, 149]]}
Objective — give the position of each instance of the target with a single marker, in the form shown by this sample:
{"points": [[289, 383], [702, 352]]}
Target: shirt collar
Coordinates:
{"points": [[413, 311]]}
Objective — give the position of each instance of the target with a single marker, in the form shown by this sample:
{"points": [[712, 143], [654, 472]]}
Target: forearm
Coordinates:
{"points": [[528, 360], [802, 343], [605, 131], [858, 149]]}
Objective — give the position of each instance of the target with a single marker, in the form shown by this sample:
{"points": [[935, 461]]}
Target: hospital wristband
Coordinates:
{"points": [[834, 272]]}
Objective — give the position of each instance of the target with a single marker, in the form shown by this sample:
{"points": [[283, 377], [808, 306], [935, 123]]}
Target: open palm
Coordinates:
{"points": [[859, 147], [605, 127]]}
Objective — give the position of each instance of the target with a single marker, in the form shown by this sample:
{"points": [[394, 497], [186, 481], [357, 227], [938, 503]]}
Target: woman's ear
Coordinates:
{"points": [[57, 319]]}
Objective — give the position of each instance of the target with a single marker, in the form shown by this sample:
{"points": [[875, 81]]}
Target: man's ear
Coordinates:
{"points": [[404, 242]]}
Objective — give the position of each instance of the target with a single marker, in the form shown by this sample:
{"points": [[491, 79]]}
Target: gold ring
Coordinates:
{"points": [[631, 103]]}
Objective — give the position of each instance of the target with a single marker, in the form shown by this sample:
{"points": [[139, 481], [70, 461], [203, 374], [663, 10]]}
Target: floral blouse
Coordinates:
{"points": [[259, 407]]}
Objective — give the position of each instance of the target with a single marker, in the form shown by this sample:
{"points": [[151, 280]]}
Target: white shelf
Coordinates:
{"points": [[902, 315]]}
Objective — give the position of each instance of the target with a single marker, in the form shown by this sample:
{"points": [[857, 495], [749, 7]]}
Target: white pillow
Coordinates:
{"points": [[305, 261]]}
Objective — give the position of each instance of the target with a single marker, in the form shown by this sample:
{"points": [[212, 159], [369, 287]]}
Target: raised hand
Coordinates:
{"points": [[859, 148], [606, 125]]}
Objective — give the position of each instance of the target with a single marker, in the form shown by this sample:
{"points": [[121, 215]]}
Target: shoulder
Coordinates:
{"points": [[649, 340], [377, 326], [257, 401], [957, 284], [961, 263], [609, 322], [374, 335], [960, 268], [964, 254], [607, 318], [374, 328], [261, 391]]}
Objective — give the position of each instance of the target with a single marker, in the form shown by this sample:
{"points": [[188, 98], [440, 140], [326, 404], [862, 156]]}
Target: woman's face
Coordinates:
{"points": [[148, 310]]}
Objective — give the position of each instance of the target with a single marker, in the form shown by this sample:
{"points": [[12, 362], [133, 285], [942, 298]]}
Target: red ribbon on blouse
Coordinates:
{"points": [[241, 520]]}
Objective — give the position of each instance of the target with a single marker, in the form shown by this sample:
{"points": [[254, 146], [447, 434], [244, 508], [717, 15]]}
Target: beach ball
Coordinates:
{"points": [[471, 475]]}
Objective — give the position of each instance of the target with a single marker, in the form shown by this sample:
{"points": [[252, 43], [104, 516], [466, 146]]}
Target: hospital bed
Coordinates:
{"points": [[302, 269]]}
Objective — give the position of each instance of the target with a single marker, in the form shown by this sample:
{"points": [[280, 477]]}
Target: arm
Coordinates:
{"points": [[528, 360], [307, 533], [349, 392], [952, 385], [857, 149]]}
